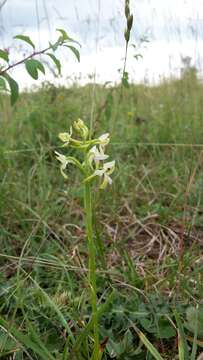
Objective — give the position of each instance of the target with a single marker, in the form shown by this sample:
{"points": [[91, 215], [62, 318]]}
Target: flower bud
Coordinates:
{"points": [[66, 137], [81, 128]]}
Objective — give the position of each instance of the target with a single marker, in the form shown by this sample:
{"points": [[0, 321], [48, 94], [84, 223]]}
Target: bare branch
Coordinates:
{"points": [[3, 71]]}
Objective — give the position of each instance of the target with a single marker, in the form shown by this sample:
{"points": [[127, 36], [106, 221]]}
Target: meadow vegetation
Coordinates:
{"points": [[147, 225]]}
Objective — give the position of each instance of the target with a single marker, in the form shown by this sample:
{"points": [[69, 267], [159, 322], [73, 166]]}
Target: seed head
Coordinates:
{"points": [[127, 10], [127, 35], [130, 22]]}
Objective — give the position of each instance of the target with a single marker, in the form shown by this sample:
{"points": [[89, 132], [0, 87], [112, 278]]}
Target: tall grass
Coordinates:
{"points": [[43, 299]]}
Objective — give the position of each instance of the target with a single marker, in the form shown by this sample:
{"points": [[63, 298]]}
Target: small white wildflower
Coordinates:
{"points": [[107, 170], [97, 155]]}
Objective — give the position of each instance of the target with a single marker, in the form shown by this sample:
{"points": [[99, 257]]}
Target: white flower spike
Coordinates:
{"points": [[93, 164]]}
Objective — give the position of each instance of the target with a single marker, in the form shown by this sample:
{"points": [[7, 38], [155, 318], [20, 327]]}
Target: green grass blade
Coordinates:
{"points": [[55, 308], [147, 343], [26, 341], [181, 351], [36, 338], [182, 341], [194, 344]]}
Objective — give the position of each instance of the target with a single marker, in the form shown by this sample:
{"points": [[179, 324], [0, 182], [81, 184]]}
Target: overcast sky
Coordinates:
{"points": [[174, 28]]}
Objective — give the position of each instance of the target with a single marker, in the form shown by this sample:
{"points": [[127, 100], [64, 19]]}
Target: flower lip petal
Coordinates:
{"points": [[101, 157], [110, 180], [107, 180], [107, 170], [109, 165], [100, 172]]}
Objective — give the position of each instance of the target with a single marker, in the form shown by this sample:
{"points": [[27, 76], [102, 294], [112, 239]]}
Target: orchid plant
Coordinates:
{"points": [[94, 156], [93, 167]]}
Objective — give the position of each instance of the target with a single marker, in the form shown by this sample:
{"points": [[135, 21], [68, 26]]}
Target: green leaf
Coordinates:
{"points": [[63, 33], [2, 84], [56, 62], [4, 55], [26, 39], [13, 88], [65, 37], [55, 46], [33, 66], [31, 69], [40, 66], [192, 324], [75, 51], [166, 330]]}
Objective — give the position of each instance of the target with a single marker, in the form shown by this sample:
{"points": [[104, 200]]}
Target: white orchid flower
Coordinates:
{"points": [[107, 170], [64, 162], [104, 139], [66, 136], [104, 173], [97, 155]]}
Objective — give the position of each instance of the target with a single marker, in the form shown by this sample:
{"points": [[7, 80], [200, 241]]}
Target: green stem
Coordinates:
{"points": [[92, 268]]}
